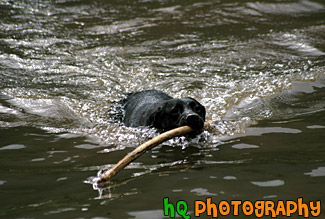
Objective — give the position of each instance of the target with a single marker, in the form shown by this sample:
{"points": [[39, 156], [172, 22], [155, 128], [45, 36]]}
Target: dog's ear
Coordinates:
{"points": [[154, 117]]}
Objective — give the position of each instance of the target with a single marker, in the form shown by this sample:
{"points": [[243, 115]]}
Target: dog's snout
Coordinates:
{"points": [[194, 121]]}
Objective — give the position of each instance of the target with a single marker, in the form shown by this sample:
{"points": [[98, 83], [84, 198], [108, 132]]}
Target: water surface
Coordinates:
{"points": [[258, 67]]}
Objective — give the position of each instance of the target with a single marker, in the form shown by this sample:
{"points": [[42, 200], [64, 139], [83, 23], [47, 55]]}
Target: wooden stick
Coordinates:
{"points": [[107, 175]]}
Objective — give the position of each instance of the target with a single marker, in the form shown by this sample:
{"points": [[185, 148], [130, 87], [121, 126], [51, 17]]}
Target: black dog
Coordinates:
{"points": [[157, 109]]}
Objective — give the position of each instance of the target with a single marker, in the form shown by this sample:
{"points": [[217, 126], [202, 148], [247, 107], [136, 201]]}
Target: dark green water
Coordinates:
{"points": [[257, 66]]}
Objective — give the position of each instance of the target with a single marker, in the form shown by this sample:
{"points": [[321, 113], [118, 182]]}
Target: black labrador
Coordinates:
{"points": [[156, 109]]}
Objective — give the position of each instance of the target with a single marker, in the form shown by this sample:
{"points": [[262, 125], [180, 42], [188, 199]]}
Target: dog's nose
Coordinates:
{"points": [[194, 121]]}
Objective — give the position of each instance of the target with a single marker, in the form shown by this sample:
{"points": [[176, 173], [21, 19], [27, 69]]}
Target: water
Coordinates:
{"points": [[258, 67]]}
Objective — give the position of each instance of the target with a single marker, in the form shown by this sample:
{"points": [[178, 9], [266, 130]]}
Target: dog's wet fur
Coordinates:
{"points": [[156, 109]]}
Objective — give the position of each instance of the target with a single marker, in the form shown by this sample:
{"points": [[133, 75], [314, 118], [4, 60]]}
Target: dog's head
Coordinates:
{"points": [[174, 113]]}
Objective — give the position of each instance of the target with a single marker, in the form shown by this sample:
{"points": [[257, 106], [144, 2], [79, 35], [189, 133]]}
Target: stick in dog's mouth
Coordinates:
{"points": [[108, 174]]}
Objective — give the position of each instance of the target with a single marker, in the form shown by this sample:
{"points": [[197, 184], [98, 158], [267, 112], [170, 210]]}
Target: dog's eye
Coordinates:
{"points": [[197, 109], [175, 111], [192, 105]]}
